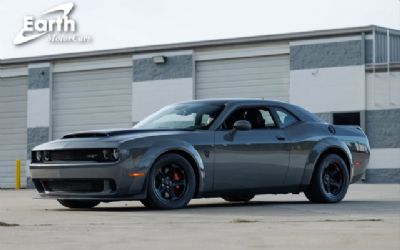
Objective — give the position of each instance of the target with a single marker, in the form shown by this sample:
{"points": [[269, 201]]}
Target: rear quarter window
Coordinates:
{"points": [[285, 117]]}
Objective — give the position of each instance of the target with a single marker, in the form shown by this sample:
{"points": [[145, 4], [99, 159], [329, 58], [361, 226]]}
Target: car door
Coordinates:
{"points": [[254, 159]]}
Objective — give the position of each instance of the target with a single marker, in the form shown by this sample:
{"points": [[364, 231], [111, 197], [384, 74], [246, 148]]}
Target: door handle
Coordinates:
{"points": [[280, 138]]}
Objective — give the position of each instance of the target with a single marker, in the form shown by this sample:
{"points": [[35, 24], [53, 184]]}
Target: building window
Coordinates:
{"points": [[347, 118]]}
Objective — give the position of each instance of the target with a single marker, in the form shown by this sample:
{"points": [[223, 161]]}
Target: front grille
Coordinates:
{"points": [[76, 155], [83, 185]]}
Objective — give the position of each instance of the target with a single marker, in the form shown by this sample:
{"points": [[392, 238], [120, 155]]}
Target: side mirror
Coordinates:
{"points": [[242, 125]]}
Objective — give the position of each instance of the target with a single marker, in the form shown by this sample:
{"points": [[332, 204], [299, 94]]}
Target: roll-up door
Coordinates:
{"points": [[13, 135], [253, 77], [93, 99]]}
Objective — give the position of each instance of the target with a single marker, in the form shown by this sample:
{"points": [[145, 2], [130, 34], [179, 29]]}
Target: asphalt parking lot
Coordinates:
{"points": [[369, 218]]}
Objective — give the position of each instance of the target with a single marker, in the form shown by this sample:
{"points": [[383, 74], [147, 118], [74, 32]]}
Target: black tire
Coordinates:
{"points": [[78, 203], [171, 183], [330, 180], [238, 198]]}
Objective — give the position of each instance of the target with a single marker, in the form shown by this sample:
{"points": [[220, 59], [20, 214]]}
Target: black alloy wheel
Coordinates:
{"points": [[171, 183], [333, 179], [330, 180]]}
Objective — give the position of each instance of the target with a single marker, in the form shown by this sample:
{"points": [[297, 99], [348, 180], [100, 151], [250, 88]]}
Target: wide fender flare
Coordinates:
{"points": [[174, 145], [318, 150]]}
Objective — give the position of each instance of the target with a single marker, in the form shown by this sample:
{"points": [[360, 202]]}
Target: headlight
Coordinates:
{"points": [[38, 156]]}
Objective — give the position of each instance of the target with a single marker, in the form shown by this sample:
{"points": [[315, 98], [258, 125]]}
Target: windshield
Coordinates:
{"points": [[182, 116]]}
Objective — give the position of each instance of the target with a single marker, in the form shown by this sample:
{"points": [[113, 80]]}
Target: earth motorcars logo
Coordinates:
{"points": [[56, 22]]}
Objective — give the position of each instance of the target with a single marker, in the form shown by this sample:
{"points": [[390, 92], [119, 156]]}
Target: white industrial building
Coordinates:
{"points": [[347, 76]]}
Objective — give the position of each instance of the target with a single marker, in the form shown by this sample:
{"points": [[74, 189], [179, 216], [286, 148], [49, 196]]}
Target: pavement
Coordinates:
{"points": [[368, 218]]}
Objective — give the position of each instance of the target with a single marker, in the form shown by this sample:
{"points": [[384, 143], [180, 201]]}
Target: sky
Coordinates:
{"points": [[123, 23]]}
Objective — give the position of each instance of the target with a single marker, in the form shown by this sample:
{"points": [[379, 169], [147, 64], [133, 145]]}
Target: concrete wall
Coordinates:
{"points": [[39, 106], [383, 90], [326, 55], [328, 75], [384, 166], [383, 126], [332, 69], [156, 85], [328, 89]]}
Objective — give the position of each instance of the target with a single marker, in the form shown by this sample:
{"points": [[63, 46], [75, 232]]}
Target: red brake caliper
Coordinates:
{"points": [[176, 178]]}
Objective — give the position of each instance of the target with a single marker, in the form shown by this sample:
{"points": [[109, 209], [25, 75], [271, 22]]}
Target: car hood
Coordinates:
{"points": [[109, 138]]}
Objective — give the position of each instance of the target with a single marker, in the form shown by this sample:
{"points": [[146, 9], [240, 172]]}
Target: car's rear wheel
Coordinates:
{"points": [[330, 180], [78, 203], [238, 198], [171, 183]]}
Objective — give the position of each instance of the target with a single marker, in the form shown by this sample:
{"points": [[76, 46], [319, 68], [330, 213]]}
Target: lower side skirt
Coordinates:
{"points": [[255, 191]]}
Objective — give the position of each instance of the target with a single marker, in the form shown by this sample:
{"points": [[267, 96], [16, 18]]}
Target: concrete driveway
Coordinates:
{"points": [[369, 218]]}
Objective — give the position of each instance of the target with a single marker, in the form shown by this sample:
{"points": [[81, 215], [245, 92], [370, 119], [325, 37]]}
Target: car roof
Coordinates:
{"points": [[298, 111], [237, 101]]}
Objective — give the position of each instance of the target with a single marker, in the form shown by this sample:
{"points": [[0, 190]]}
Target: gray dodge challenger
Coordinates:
{"points": [[229, 148]]}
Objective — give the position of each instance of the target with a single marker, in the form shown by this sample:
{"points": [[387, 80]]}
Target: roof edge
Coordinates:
{"points": [[196, 44]]}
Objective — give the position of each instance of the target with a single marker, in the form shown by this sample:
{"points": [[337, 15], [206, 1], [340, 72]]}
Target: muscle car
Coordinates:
{"points": [[229, 148]]}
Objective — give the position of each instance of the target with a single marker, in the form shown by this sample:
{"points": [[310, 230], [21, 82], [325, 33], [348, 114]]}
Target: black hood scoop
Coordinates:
{"points": [[100, 133], [85, 135], [107, 133]]}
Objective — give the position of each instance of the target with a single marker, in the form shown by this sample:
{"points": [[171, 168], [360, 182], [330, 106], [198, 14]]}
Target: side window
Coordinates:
{"points": [[285, 117], [232, 118], [269, 121], [260, 118], [206, 120]]}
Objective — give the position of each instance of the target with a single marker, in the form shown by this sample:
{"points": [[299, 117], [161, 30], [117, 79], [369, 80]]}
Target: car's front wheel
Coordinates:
{"points": [[171, 183], [78, 203], [330, 180]]}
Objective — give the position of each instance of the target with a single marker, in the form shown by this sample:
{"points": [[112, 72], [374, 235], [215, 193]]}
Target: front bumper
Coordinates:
{"points": [[98, 181]]}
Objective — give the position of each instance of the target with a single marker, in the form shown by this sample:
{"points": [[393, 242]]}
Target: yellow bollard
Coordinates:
{"points": [[17, 174]]}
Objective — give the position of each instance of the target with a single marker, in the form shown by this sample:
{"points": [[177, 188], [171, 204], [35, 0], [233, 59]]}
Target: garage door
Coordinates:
{"points": [[12, 129], [95, 99], [256, 77]]}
